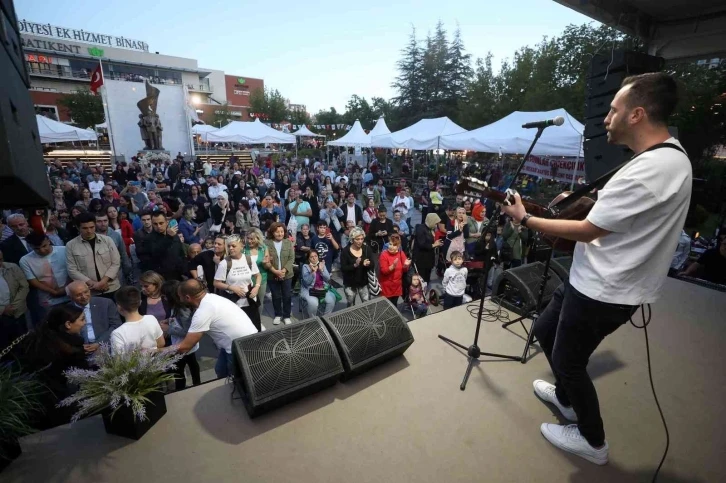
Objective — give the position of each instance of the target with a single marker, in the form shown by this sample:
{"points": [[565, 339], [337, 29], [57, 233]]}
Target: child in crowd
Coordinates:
{"points": [[401, 223], [454, 281], [344, 237], [416, 296], [139, 330]]}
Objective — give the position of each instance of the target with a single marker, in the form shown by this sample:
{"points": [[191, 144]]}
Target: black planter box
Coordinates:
{"points": [[9, 451], [124, 424]]}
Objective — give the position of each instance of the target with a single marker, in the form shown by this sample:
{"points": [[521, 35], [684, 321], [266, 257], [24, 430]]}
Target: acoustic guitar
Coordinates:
{"points": [[563, 207]]}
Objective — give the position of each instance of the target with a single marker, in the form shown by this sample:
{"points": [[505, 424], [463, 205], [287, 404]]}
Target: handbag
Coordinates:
{"points": [[374, 288], [318, 293]]}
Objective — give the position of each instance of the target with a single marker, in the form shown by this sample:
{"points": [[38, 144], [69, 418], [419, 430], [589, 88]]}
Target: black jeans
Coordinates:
{"points": [[281, 296], [569, 330], [451, 301], [181, 379]]}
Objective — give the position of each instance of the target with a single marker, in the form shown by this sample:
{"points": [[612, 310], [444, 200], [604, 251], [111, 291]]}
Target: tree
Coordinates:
{"points": [[84, 107], [298, 116], [221, 116], [408, 83], [359, 109], [460, 73], [269, 105]]}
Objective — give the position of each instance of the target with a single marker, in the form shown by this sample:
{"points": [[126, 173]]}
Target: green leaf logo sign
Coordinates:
{"points": [[241, 80], [95, 52]]}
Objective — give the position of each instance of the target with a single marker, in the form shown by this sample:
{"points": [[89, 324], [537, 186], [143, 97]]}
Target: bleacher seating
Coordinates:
{"points": [[245, 157], [92, 158]]}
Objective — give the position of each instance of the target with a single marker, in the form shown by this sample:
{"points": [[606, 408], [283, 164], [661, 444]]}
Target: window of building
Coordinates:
{"points": [[50, 112]]}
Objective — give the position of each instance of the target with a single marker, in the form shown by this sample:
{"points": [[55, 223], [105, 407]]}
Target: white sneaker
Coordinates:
{"points": [[288, 321], [276, 321], [546, 392], [568, 438]]}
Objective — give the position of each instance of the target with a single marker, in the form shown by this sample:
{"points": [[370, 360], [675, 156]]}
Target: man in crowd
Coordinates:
{"points": [[45, 270], [15, 247], [103, 229], [300, 209], [93, 259], [162, 251], [96, 185], [13, 293], [222, 319], [102, 317], [108, 197], [351, 212], [214, 188]]}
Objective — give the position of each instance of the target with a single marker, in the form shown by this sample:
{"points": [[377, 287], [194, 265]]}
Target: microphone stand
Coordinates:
{"points": [[473, 351]]}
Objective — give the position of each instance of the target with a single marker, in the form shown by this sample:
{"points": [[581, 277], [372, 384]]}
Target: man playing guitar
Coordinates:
{"points": [[623, 251]]}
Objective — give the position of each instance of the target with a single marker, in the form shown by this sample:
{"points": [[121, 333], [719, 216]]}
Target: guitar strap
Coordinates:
{"points": [[602, 180]]}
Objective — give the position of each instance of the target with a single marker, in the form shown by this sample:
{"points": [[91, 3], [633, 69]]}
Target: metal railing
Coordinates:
{"points": [[65, 72], [199, 87]]}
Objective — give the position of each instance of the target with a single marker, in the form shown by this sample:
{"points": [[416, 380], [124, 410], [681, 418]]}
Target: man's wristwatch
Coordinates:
{"points": [[524, 220]]}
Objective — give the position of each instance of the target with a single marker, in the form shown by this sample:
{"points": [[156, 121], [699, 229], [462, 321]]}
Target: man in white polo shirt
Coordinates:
{"points": [[222, 319], [624, 250]]}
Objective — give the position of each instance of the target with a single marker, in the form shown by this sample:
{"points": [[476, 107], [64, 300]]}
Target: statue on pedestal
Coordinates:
{"points": [[149, 122]]}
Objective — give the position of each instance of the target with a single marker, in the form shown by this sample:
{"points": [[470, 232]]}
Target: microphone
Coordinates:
{"points": [[558, 121]]}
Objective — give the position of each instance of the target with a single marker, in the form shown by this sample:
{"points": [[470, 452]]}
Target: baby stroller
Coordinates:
{"points": [[420, 309]]}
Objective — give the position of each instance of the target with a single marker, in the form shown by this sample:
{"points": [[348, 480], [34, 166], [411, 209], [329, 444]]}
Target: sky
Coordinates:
{"points": [[315, 53]]}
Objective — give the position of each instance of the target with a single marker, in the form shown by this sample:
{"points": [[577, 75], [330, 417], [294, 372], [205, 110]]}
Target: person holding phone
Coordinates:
{"points": [[315, 278], [300, 209], [325, 244], [380, 229]]}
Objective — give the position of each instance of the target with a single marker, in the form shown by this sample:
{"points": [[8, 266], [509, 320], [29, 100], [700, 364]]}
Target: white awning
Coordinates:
{"points": [[248, 133], [305, 132], [425, 134], [355, 137], [56, 132]]}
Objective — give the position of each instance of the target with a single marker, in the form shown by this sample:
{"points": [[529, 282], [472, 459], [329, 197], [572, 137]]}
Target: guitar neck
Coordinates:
{"points": [[532, 208]]}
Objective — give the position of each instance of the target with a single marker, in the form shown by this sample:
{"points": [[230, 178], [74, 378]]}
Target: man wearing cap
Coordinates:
{"points": [[380, 229]]}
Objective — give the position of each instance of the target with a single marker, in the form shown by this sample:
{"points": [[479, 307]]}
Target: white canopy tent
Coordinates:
{"points": [[380, 128], [305, 132], [202, 128], [355, 137], [248, 133], [424, 135], [103, 125], [56, 132], [508, 137]]}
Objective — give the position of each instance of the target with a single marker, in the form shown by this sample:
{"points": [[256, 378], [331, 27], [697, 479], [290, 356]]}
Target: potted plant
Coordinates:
{"points": [[126, 389], [20, 401]]}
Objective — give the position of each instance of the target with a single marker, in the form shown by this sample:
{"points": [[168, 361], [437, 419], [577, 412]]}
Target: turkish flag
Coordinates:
{"points": [[96, 79]]}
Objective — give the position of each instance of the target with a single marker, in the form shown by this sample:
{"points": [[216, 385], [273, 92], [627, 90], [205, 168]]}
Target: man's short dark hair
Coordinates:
{"points": [[655, 92], [99, 214], [128, 298], [86, 217], [146, 212], [157, 214], [36, 239], [323, 223]]}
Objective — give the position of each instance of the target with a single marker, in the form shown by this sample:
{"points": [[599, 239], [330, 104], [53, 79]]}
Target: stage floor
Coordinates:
{"points": [[407, 421]]}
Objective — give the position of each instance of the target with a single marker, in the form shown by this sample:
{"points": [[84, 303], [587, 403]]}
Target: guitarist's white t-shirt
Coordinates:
{"points": [[644, 206]]}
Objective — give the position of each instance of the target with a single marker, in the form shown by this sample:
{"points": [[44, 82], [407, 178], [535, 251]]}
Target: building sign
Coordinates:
{"points": [[238, 92], [48, 45], [231, 113], [40, 59], [95, 52], [241, 80], [62, 33]]}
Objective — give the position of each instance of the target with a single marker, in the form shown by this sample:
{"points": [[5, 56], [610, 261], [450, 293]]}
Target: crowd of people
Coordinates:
{"points": [[156, 255]]}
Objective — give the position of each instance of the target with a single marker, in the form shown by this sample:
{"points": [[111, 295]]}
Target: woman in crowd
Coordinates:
{"points": [[315, 280], [369, 214], [120, 226], [55, 346], [327, 185], [95, 206], [59, 201], [188, 227], [180, 320], [219, 212], [200, 202], [457, 237], [246, 218], [477, 224], [283, 185], [303, 245], [425, 246], [356, 260], [239, 280], [280, 272], [129, 204], [257, 250], [152, 303], [85, 200], [310, 197], [515, 237], [394, 265]]}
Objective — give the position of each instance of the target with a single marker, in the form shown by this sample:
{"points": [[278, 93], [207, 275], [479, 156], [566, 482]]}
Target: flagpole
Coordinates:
{"points": [[104, 102]]}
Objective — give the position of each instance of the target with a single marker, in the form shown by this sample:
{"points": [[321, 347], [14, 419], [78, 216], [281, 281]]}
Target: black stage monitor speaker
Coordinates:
{"points": [[516, 289], [368, 334], [22, 171], [561, 266], [277, 366]]}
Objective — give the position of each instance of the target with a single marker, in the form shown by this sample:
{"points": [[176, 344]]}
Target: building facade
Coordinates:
{"points": [[61, 60]]}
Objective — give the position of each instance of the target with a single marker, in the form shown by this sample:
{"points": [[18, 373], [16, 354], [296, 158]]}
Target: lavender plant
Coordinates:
{"points": [[123, 379]]}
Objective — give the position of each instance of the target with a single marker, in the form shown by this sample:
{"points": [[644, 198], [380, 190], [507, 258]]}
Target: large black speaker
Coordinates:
{"points": [[606, 75], [517, 289], [22, 170], [561, 266], [277, 366], [368, 334]]}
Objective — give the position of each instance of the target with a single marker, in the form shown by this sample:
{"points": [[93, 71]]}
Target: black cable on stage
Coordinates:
{"points": [[652, 387]]}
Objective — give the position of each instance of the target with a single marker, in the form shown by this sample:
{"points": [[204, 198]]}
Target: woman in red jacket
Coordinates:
{"points": [[393, 266], [121, 225]]}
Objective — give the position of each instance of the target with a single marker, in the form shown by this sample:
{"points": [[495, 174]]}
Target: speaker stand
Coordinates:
{"points": [[534, 314]]}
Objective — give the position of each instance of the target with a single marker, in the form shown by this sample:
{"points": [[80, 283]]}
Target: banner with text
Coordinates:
{"points": [[560, 169]]}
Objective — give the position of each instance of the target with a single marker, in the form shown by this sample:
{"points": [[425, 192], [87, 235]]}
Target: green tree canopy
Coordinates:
{"points": [[84, 107]]}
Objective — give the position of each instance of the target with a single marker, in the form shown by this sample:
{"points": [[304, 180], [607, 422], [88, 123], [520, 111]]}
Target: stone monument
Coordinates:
{"points": [[149, 122]]}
